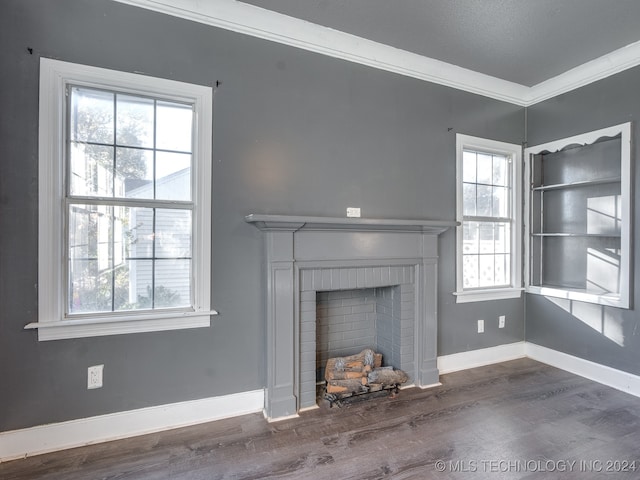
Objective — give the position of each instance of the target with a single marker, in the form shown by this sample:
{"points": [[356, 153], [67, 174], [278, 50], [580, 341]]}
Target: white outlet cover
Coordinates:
{"points": [[353, 212], [94, 376], [480, 326], [501, 321]]}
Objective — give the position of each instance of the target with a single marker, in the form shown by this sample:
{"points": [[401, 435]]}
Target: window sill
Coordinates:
{"points": [[485, 295], [65, 329], [610, 300]]}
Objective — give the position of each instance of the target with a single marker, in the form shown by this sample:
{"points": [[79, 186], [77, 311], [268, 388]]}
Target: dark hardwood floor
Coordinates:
{"points": [[518, 419]]}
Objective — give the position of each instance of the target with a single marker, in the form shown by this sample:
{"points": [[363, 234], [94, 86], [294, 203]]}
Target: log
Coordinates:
{"points": [[366, 356], [336, 370], [377, 360], [387, 376], [343, 375], [345, 386]]}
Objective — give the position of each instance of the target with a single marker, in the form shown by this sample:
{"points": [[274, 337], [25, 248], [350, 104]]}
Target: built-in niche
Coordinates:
{"points": [[579, 217]]}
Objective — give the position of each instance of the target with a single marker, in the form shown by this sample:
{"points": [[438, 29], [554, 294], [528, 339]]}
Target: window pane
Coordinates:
{"points": [[85, 230], [91, 116], [173, 176], [502, 240], [500, 170], [484, 200], [469, 167], [134, 121], [139, 233], [500, 202], [470, 271], [172, 283], [134, 173], [501, 270], [173, 233], [174, 124], [90, 258], [91, 170], [469, 199], [485, 168], [123, 257], [470, 240], [135, 285], [486, 238], [487, 271], [89, 287]]}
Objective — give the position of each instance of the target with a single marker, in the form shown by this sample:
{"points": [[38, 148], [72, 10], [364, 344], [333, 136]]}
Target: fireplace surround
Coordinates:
{"points": [[305, 255]]}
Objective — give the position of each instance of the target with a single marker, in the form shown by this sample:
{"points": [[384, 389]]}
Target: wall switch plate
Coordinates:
{"points": [[94, 377], [353, 212], [480, 326], [501, 321]]}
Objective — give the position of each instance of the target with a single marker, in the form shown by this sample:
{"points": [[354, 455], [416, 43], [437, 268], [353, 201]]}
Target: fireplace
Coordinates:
{"points": [[307, 255]]}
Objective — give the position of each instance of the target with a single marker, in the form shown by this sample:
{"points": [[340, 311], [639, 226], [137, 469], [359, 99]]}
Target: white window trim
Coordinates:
{"points": [[52, 325], [515, 152]]}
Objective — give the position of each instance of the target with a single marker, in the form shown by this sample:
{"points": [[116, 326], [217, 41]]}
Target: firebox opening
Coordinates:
{"points": [[348, 321]]}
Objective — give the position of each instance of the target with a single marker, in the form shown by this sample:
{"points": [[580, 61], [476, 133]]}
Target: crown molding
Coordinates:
{"points": [[597, 69], [268, 25]]}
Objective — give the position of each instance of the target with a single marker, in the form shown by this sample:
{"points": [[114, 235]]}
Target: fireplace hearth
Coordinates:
{"points": [[307, 255]]}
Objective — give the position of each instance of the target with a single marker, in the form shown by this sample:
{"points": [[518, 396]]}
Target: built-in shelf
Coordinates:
{"points": [[585, 235], [580, 185]]}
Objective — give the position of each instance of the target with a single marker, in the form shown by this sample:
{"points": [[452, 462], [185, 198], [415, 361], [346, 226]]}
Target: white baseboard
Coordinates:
{"points": [[76, 433], [611, 377], [479, 358]]}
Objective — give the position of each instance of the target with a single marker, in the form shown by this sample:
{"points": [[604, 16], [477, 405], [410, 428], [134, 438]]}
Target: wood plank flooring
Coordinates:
{"points": [[515, 420]]}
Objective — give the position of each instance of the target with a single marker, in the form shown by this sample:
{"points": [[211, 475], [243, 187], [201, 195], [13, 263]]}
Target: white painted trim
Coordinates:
{"points": [[268, 25], [261, 23], [53, 323], [514, 152], [488, 294], [603, 374], [87, 431], [622, 298], [76, 433], [424, 387], [590, 72], [481, 357], [100, 327]]}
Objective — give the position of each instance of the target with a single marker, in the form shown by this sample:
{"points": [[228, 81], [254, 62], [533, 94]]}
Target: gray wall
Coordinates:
{"points": [[294, 133], [605, 335]]}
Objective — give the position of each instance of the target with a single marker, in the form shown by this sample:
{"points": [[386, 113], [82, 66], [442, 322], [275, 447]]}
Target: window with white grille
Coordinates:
{"points": [[488, 243], [125, 193]]}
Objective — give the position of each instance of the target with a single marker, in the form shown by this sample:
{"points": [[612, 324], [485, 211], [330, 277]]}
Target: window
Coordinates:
{"points": [[579, 222], [488, 209], [125, 194]]}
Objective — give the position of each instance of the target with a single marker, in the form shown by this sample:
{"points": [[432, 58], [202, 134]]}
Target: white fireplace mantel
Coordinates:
{"points": [[305, 254]]}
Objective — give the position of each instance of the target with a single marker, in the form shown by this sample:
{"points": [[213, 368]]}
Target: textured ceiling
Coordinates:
{"points": [[523, 41]]}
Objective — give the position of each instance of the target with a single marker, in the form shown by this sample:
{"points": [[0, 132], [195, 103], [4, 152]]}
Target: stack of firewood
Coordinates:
{"points": [[360, 373]]}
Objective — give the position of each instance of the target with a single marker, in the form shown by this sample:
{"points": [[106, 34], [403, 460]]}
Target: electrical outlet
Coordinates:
{"points": [[480, 326], [501, 320], [353, 212], [94, 377]]}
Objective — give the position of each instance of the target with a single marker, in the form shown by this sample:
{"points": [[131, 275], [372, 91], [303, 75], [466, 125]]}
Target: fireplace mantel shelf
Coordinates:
{"points": [[299, 222]]}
